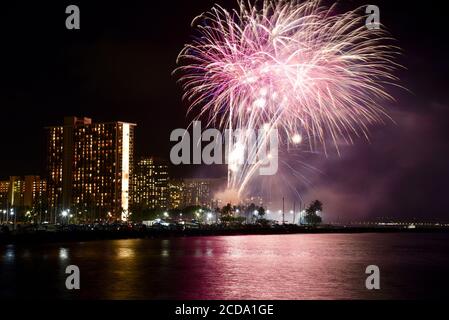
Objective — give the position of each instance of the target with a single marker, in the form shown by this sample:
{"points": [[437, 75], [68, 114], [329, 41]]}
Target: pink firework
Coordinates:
{"points": [[297, 67]]}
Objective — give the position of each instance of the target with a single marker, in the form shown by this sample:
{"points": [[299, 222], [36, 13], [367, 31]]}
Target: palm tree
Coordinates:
{"points": [[312, 211]]}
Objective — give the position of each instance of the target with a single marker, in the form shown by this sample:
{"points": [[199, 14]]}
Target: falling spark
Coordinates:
{"points": [[297, 139]]}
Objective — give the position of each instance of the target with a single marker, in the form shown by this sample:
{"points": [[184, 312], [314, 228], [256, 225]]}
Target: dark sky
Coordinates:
{"points": [[118, 67]]}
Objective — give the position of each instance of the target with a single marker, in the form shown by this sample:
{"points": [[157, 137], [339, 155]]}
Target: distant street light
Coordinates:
{"points": [[64, 214], [12, 213]]}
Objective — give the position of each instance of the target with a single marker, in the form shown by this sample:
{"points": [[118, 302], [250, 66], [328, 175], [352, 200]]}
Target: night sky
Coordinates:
{"points": [[118, 67]]}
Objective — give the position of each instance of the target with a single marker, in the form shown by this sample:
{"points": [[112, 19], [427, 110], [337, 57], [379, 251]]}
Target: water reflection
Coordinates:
{"points": [[240, 267], [165, 248], [10, 254], [125, 253], [63, 254]]}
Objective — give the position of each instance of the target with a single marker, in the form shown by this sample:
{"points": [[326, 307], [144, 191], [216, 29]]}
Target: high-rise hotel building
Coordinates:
{"points": [[89, 168], [150, 184]]}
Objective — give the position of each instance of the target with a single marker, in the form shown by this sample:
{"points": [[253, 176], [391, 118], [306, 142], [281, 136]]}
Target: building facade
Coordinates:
{"points": [[176, 192], [16, 195], [4, 190], [24, 196], [89, 168], [38, 197], [194, 192], [150, 184], [197, 192]]}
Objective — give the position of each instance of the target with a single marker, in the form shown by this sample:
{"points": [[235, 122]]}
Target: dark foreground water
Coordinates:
{"points": [[304, 266]]}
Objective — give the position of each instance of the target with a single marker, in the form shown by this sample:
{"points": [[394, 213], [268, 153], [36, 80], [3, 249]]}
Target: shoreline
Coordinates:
{"points": [[82, 236]]}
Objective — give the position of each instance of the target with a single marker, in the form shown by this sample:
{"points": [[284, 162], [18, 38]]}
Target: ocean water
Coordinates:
{"points": [[302, 266]]}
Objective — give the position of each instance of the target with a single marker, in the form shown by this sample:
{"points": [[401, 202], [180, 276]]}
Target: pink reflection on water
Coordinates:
{"points": [[282, 267], [301, 266]]}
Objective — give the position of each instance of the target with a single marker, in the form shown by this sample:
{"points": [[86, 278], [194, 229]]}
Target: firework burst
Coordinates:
{"points": [[297, 67]]}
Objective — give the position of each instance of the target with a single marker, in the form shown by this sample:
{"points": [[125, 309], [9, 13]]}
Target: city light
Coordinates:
{"points": [[125, 170]]}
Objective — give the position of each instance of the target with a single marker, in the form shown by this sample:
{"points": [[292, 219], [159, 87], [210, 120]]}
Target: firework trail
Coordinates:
{"points": [[298, 68]]}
